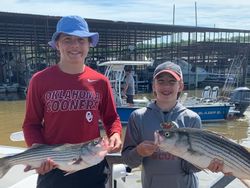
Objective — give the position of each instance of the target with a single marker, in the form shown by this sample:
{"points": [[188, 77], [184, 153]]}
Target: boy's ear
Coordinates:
{"points": [[153, 88], [181, 86], [57, 45], [153, 85]]}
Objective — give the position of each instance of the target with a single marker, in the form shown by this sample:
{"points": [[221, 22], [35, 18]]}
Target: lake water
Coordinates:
{"points": [[12, 110]]}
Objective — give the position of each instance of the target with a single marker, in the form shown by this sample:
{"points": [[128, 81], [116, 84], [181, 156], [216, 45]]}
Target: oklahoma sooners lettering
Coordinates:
{"points": [[71, 100]]}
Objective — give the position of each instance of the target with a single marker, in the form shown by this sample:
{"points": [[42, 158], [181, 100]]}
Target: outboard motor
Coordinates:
{"points": [[240, 97]]}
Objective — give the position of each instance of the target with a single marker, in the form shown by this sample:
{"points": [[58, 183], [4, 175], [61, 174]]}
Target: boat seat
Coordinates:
{"points": [[214, 93], [116, 97], [206, 92]]}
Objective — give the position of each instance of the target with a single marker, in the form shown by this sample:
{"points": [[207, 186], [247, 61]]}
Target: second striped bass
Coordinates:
{"points": [[200, 147], [68, 157]]}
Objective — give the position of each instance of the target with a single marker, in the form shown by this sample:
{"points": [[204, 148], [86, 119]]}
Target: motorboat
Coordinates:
{"points": [[116, 74], [2, 88], [212, 107], [9, 87], [240, 97], [207, 107]]}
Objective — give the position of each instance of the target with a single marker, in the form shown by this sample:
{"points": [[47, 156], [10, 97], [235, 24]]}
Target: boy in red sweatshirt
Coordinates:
{"points": [[65, 103]]}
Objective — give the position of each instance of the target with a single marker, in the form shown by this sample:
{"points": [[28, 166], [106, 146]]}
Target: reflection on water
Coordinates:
{"points": [[236, 130], [11, 96], [11, 118], [12, 110]]}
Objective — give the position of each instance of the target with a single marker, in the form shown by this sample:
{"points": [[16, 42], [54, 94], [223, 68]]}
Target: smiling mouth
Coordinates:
{"points": [[74, 53]]}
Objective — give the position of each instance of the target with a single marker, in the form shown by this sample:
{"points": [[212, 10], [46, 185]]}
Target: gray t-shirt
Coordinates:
{"points": [[131, 84]]}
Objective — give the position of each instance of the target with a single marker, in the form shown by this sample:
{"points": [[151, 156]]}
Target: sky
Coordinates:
{"points": [[230, 14]]}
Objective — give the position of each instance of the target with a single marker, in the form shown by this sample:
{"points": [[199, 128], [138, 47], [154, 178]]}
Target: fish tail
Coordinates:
{"points": [[4, 166]]}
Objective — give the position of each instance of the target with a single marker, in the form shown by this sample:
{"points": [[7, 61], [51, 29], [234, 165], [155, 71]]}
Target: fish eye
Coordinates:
{"points": [[167, 134], [95, 142]]}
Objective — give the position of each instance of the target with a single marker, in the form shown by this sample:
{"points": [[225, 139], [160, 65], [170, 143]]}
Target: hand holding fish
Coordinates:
{"points": [[115, 143], [67, 157], [146, 148], [46, 166], [216, 165]]}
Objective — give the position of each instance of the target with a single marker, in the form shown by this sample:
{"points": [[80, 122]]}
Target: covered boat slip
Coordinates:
{"points": [[24, 49]]}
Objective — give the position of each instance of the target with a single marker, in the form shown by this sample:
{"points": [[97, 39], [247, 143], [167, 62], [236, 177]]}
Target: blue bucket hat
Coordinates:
{"points": [[76, 26]]}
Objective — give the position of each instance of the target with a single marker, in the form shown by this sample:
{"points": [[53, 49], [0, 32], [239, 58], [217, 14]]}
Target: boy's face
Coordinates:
{"points": [[72, 49], [166, 87]]}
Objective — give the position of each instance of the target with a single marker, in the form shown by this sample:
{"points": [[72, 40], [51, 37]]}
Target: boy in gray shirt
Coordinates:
{"points": [[161, 169]]}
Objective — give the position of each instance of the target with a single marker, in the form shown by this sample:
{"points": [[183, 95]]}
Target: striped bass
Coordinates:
{"points": [[200, 147], [68, 157]]}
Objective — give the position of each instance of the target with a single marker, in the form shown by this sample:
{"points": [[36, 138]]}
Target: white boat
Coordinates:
{"points": [[234, 106], [2, 88], [116, 74], [212, 111], [11, 87]]}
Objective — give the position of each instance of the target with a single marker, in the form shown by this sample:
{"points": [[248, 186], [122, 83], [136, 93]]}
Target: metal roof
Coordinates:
{"points": [[30, 29]]}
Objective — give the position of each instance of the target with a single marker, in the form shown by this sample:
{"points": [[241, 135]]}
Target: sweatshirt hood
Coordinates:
{"points": [[177, 108]]}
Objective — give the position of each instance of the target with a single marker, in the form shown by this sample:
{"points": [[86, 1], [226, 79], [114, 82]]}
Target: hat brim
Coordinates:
{"points": [[94, 37], [174, 74]]}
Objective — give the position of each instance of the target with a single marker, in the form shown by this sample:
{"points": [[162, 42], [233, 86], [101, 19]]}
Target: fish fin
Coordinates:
{"points": [[245, 182], [199, 167], [82, 160], [32, 168], [196, 166], [4, 166], [76, 161]]}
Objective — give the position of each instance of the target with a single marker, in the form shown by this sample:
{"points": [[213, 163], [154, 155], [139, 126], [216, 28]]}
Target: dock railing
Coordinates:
{"points": [[232, 79]]}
